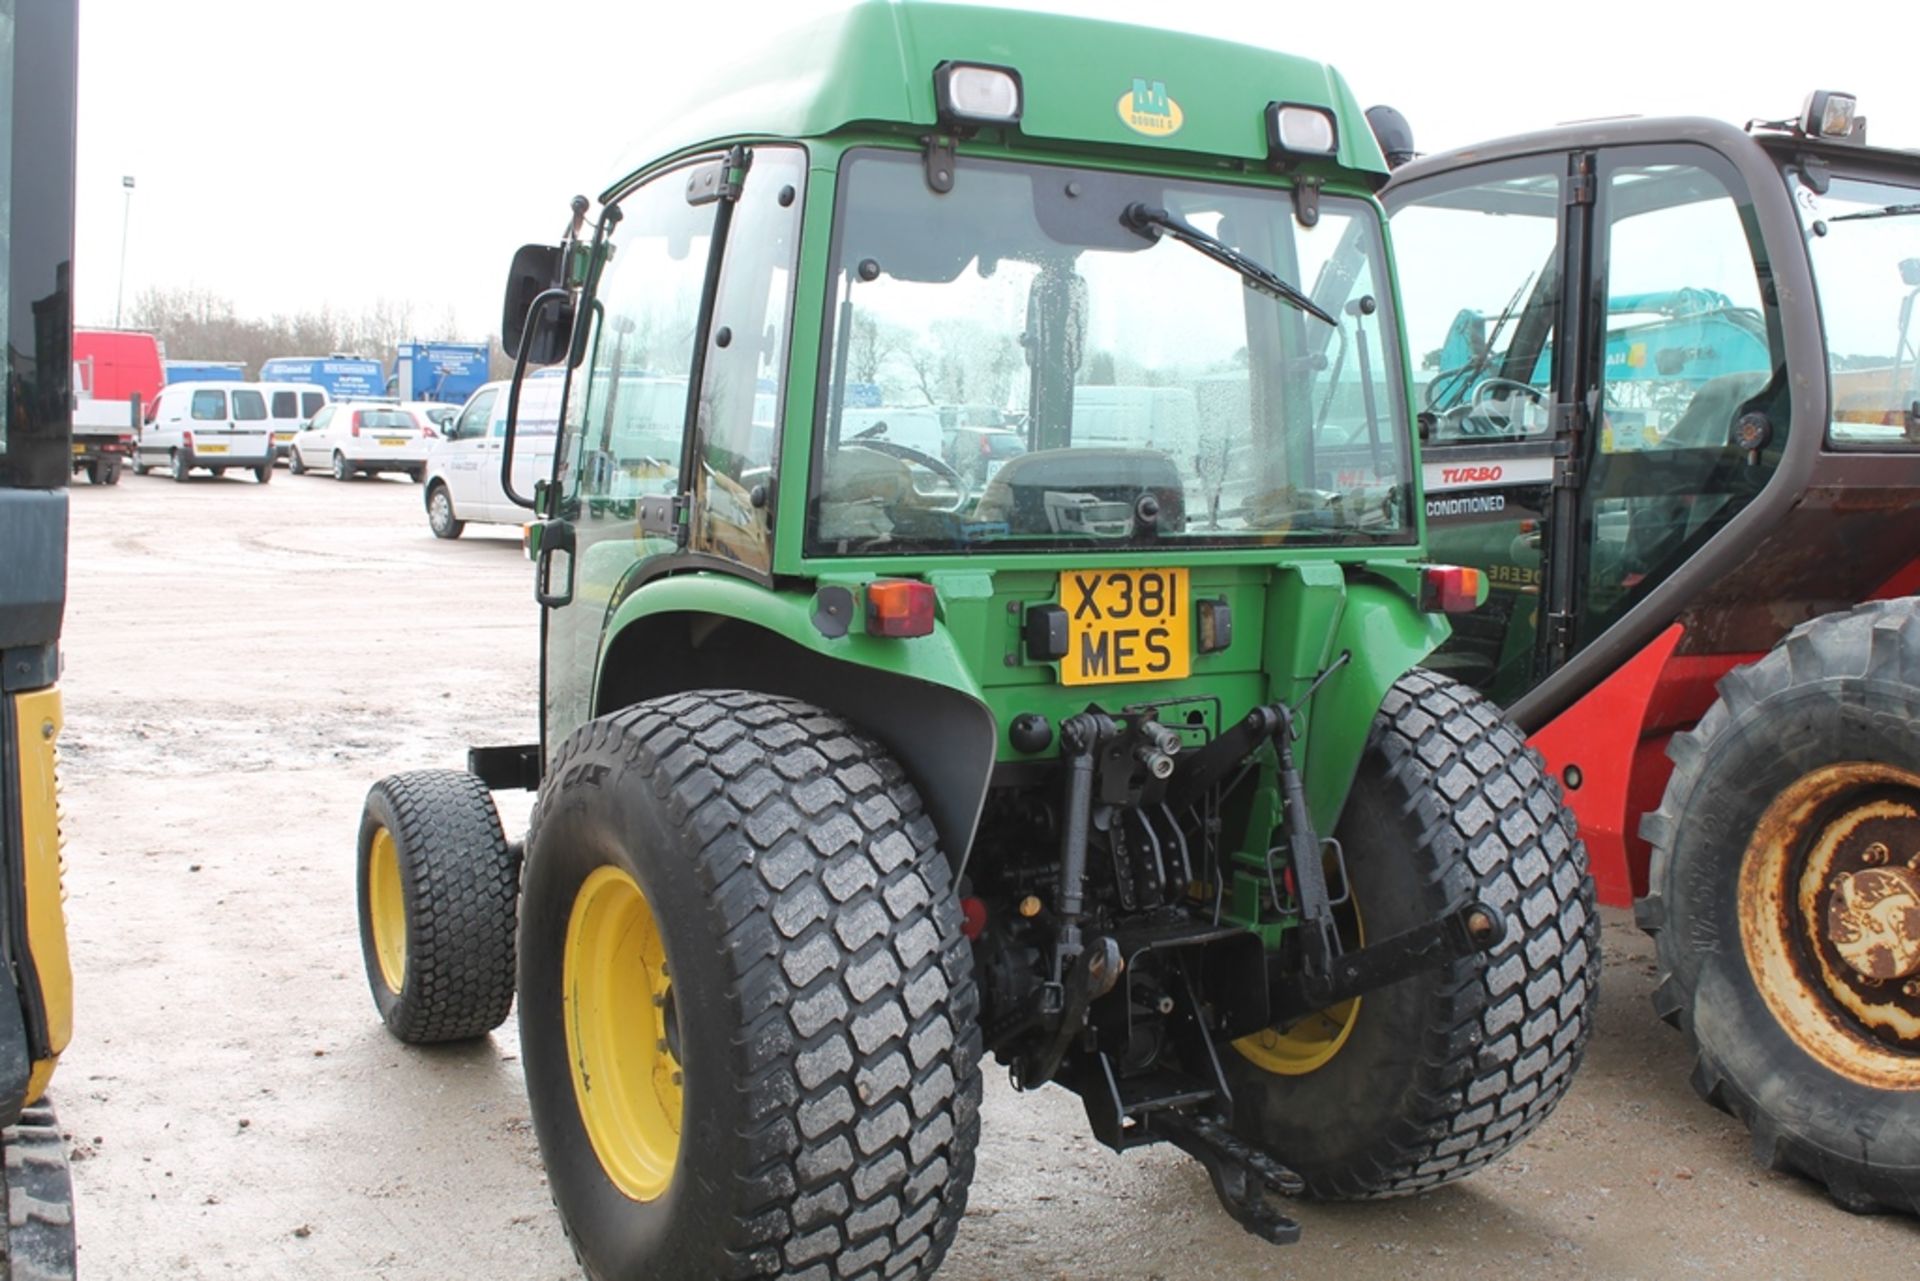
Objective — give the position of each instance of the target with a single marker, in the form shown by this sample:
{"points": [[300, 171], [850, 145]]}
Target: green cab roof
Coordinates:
{"points": [[873, 64]]}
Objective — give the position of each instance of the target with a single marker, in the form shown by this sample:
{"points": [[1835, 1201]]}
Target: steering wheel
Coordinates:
{"points": [[1481, 393], [938, 466]]}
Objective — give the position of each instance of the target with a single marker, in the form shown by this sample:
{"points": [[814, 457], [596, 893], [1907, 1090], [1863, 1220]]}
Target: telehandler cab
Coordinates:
{"points": [[1109, 753], [1672, 410]]}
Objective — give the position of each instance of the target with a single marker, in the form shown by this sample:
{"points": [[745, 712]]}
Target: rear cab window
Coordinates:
{"points": [[311, 403], [285, 405], [208, 406], [249, 407]]}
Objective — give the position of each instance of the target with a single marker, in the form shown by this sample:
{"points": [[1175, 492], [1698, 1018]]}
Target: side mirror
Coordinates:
{"points": [[535, 270]]}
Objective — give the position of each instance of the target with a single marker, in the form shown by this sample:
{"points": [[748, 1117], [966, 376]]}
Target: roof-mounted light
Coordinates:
{"points": [[975, 94], [1299, 130], [1828, 114]]}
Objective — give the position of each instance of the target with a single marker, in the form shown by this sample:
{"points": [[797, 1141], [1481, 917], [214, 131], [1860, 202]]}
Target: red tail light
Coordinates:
{"points": [[355, 428], [427, 432], [899, 607], [1450, 589], [186, 438]]}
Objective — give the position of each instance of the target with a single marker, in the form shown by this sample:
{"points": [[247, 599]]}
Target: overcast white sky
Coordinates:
{"points": [[290, 154]]}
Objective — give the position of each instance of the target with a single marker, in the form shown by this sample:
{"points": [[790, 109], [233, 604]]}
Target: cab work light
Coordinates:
{"points": [[899, 607], [1828, 114], [972, 94], [1450, 589], [1300, 130]]}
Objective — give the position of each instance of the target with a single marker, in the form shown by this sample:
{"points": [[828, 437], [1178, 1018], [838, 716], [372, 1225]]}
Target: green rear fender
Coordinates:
{"points": [[916, 696], [1386, 634]]}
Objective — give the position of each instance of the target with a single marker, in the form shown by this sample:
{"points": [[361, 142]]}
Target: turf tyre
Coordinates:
{"points": [[458, 883], [36, 1240], [1840, 689], [826, 1007], [1443, 1072]]}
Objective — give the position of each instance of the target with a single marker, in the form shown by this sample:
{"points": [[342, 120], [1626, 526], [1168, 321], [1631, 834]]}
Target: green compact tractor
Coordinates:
{"points": [[984, 598], [1673, 412]]}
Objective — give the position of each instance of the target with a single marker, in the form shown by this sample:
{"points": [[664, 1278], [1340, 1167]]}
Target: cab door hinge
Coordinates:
{"points": [[1581, 185], [1559, 631], [664, 516], [940, 162]]}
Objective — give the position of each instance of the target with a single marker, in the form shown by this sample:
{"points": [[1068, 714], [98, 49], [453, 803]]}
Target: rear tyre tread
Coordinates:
{"points": [[1503, 1039], [862, 1065]]}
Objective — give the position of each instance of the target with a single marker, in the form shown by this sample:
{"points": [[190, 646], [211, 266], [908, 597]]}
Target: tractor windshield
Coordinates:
{"points": [[1128, 390], [1864, 238]]}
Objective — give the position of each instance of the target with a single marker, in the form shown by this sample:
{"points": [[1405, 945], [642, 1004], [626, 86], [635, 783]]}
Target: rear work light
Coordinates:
{"points": [[1827, 114], [973, 94], [1451, 589], [1298, 130], [899, 607]]}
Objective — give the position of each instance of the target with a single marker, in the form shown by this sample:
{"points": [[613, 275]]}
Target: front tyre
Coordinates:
{"points": [[437, 886], [1785, 902], [440, 517], [747, 1011], [1425, 1081], [294, 465]]}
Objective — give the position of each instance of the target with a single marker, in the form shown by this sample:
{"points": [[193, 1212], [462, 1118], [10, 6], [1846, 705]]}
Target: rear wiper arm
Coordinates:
{"points": [[1154, 223], [1891, 211]]}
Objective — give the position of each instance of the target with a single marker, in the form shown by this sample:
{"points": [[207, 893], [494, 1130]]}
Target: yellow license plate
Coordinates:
{"points": [[211, 449], [1126, 625], [79, 449], [282, 437], [389, 440]]}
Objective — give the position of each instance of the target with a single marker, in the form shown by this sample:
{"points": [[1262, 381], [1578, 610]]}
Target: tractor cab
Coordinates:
{"points": [[1603, 396]]}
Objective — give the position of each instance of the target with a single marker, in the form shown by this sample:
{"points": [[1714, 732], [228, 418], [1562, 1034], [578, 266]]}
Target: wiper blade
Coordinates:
{"points": [[1153, 223], [1890, 211]]}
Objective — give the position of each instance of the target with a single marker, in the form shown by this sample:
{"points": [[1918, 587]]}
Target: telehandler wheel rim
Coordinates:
{"points": [[1829, 911], [387, 910], [1312, 1042], [622, 1036]]}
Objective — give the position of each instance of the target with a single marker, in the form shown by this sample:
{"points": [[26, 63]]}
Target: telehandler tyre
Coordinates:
{"points": [[1785, 902], [36, 1239], [1425, 1081], [437, 888], [747, 1010]]}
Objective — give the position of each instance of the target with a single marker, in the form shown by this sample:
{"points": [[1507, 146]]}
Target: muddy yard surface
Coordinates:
{"points": [[243, 660]]}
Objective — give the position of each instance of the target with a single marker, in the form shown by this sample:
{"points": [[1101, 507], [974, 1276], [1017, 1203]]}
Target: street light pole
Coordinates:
{"points": [[125, 216]]}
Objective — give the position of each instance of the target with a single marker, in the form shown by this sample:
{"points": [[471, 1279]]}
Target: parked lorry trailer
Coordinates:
{"points": [[444, 372], [116, 375]]}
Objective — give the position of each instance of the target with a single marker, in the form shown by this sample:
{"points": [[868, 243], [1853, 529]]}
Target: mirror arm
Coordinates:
{"points": [[551, 297]]}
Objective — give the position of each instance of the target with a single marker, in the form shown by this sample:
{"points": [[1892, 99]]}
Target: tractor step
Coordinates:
{"points": [[1246, 1180]]}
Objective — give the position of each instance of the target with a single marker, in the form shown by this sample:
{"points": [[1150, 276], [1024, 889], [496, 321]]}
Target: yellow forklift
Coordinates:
{"points": [[37, 77]]}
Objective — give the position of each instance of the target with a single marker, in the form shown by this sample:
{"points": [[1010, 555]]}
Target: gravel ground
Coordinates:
{"points": [[242, 661]]}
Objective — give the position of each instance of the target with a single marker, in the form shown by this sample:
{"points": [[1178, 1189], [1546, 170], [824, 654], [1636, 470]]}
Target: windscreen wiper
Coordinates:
{"points": [[1890, 211], [1153, 223]]}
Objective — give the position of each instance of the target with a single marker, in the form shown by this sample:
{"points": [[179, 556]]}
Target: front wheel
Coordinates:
{"points": [[1785, 902], [747, 1010], [1425, 1081], [440, 517], [294, 465], [437, 887]]}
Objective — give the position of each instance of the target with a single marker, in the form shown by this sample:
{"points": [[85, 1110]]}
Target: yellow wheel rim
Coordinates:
{"points": [[387, 910], [622, 1042], [1310, 1044]]}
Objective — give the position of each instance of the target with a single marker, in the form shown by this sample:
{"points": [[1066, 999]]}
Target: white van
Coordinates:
{"points": [[463, 466], [1162, 418], [289, 406], [208, 426]]}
